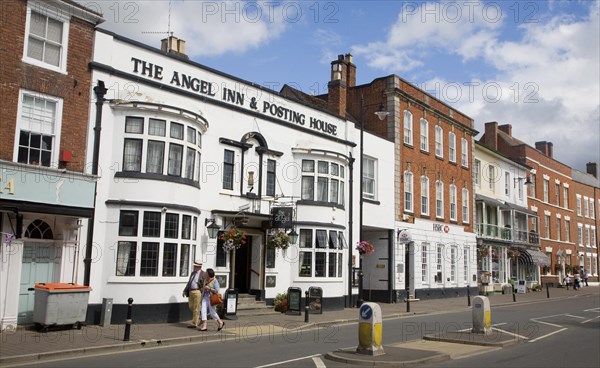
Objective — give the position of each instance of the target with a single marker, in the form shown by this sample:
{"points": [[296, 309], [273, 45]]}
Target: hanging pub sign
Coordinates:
{"points": [[404, 236], [281, 217]]}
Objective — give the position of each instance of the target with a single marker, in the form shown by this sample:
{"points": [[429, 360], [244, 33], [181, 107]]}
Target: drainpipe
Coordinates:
{"points": [[100, 92], [350, 227]]}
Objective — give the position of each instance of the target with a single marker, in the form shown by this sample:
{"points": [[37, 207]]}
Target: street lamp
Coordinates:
{"points": [[381, 114], [527, 182]]}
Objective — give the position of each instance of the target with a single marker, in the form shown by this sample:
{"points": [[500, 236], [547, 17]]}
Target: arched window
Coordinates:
{"points": [[39, 229]]}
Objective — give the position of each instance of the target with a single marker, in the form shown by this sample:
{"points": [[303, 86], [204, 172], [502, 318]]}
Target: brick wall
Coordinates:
{"points": [[74, 87]]}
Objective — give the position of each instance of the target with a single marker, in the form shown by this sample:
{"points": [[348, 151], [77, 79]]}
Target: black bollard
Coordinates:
{"points": [[407, 301], [547, 291], [306, 307], [128, 320], [468, 296], [514, 293]]}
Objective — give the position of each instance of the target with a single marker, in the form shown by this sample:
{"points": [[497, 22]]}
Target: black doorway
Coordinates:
{"points": [[242, 267]]}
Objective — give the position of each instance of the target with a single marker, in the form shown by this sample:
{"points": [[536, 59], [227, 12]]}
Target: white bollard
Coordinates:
{"points": [[482, 315], [370, 330]]}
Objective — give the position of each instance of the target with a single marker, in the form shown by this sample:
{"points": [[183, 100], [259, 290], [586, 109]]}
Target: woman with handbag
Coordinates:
{"points": [[210, 294]]}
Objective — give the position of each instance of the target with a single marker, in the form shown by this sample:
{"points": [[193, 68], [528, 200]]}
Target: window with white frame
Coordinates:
{"points": [[546, 185], [46, 38], [547, 225], [520, 190], [439, 199], [424, 264], [439, 277], [557, 194], [452, 147], [147, 148], [39, 127], [424, 135], [507, 183], [592, 209], [320, 253], [491, 178], [565, 197], [567, 230], [271, 177], [369, 175], [453, 204], [228, 169], [558, 228], [439, 141], [580, 234], [586, 209], [587, 236], [143, 250], [465, 205], [533, 178], [453, 263], [464, 152], [424, 195], [593, 235], [326, 185], [408, 191], [477, 173], [408, 128], [578, 199]]}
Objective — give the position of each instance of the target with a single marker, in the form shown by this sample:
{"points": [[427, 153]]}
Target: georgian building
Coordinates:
{"points": [[507, 248], [433, 190], [45, 192], [556, 195]]}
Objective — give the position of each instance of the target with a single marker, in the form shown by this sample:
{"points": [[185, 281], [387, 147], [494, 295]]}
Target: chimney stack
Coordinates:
{"points": [[545, 148], [338, 86], [490, 137], [173, 46], [506, 128], [592, 169]]}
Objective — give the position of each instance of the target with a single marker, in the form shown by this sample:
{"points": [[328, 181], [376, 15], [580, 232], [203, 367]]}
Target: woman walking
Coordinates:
{"points": [[211, 286]]}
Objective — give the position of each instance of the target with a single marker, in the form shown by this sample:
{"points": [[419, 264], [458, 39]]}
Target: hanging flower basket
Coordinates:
{"points": [[233, 239], [513, 254], [278, 240], [364, 247]]}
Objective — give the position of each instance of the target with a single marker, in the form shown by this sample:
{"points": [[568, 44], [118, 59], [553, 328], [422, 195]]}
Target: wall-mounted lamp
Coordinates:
{"points": [[213, 229], [526, 183], [381, 113], [293, 236]]}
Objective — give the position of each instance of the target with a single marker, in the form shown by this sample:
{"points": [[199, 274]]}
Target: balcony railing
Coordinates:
{"points": [[491, 231]]}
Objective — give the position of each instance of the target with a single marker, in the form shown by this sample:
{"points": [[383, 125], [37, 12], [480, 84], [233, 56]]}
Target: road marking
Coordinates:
{"points": [[510, 333], [547, 335], [570, 315], [546, 323], [318, 362], [592, 310], [589, 320], [287, 361]]}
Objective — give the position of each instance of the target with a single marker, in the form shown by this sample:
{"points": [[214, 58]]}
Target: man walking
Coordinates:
{"points": [[193, 292]]}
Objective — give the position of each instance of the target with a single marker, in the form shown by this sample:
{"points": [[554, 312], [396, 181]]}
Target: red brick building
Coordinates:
{"points": [[433, 184], [560, 197], [44, 192]]}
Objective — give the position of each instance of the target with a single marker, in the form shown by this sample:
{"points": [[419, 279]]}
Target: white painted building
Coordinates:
{"points": [[507, 234], [182, 144]]}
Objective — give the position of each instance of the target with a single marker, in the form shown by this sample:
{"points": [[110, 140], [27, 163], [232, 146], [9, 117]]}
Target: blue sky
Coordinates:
{"points": [[532, 64]]}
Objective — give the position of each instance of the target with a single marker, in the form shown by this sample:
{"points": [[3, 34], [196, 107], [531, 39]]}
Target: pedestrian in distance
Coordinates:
{"points": [[193, 291], [585, 277], [211, 286], [577, 283], [567, 281]]}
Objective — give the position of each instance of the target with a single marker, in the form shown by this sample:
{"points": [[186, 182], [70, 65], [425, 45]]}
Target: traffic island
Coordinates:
{"points": [[497, 338], [394, 356]]}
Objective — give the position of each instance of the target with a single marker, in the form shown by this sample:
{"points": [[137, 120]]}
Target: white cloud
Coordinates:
{"points": [[209, 27], [548, 77]]}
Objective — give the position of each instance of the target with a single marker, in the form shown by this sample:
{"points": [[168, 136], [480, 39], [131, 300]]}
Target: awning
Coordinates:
{"points": [[534, 257], [488, 200]]}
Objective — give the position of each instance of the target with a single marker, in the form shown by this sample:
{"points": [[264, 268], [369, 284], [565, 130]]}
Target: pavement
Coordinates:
{"points": [[27, 345]]}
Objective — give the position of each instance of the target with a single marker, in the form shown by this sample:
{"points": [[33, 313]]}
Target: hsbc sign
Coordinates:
{"points": [[441, 228]]}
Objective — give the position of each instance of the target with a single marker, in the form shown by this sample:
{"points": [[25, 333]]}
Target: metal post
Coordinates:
{"points": [[360, 300], [407, 275], [128, 320], [547, 291], [306, 306], [468, 296]]}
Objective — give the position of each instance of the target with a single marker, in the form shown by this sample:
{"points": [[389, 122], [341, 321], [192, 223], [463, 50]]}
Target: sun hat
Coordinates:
{"points": [[197, 263]]}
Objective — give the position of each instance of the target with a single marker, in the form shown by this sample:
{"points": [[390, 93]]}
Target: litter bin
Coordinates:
{"points": [[59, 303]]}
